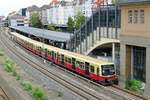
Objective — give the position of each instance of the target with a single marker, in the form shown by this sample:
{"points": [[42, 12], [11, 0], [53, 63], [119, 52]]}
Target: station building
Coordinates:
{"points": [[135, 42]]}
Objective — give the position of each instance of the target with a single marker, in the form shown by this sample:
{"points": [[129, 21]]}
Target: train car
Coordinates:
{"points": [[96, 70]]}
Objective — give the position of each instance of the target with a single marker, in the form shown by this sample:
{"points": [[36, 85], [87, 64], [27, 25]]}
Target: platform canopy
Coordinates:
{"points": [[43, 33]]}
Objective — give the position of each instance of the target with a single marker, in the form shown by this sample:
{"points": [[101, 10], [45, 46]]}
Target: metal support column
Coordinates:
{"points": [[86, 37], [92, 31], [116, 33], [107, 20], [99, 22], [80, 41], [113, 52]]}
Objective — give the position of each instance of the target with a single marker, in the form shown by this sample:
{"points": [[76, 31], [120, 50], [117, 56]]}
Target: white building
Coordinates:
{"points": [[59, 12], [17, 20], [44, 14]]}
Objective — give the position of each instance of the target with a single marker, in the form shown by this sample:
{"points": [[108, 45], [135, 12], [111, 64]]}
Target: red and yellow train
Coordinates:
{"points": [[96, 70]]}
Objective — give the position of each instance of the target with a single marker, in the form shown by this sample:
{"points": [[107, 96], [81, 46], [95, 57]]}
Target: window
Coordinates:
{"points": [[142, 16], [82, 65], [77, 63], [69, 60], [130, 15], [139, 63], [136, 16], [92, 69]]}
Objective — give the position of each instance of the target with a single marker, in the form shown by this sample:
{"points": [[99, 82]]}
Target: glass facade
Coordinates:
{"points": [[139, 63]]}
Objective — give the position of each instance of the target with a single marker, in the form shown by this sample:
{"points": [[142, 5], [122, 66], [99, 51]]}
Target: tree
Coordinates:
{"points": [[70, 24], [79, 20], [35, 20], [115, 1], [51, 27]]}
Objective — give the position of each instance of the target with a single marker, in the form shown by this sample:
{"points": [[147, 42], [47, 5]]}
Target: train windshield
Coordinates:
{"points": [[108, 70]]}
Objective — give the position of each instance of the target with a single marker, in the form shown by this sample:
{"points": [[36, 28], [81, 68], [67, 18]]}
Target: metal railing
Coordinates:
{"points": [[104, 23]]}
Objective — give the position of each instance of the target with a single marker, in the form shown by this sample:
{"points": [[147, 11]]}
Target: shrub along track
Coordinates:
{"points": [[81, 91], [114, 89]]}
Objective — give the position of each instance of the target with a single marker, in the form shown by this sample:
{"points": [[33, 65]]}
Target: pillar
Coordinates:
{"points": [[113, 52], [147, 86], [122, 77]]}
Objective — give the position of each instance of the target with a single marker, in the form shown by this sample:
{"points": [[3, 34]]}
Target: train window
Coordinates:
{"points": [[97, 71], [108, 70], [77, 64], [82, 65], [66, 59], [92, 69], [55, 55], [69, 60]]}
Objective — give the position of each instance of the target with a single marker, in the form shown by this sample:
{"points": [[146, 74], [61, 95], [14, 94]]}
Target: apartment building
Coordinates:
{"points": [[135, 42]]}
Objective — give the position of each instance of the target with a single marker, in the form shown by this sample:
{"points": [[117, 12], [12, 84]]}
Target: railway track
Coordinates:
{"points": [[3, 94], [81, 91], [113, 89]]}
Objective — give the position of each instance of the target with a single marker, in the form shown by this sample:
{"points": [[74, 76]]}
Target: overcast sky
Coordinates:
{"points": [[7, 6]]}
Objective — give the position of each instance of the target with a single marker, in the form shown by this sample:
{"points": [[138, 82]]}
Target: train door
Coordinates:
{"points": [[73, 63], [62, 59], [87, 68]]}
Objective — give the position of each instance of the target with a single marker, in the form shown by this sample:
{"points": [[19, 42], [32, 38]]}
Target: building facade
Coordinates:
{"points": [[44, 15], [135, 42], [17, 20]]}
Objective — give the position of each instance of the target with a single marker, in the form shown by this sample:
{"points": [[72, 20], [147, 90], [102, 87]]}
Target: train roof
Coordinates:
{"points": [[46, 34], [68, 53]]}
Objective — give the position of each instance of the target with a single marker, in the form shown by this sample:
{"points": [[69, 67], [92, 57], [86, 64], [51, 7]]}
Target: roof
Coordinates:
{"points": [[17, 16], [46, 34], [128, 2], [44, 7], [33, 8]]}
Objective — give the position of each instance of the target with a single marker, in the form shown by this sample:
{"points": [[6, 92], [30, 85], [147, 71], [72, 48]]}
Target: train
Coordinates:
{"points": [[99, 71]]}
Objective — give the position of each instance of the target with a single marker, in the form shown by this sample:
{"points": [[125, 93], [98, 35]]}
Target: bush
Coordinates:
{"points": [[18, 77], [60, 94], [9, 65], [36, 91], [51, 27], [1, 52], [59, 30], [39, 94], [27, 86], [14, 73], [133, 85]]}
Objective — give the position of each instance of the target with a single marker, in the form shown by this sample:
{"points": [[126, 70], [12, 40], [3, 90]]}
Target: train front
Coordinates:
{"points": [[109, 74]]}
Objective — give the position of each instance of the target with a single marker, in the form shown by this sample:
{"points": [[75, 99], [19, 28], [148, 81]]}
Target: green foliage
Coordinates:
{"points": [[39, 94], [35, 20], [27, 86], [133, 85], [1, 52], [59, 30], [18, 77], [70, 24], [51, 27], [14, 73], [115, 1], [60, 94], [79, 20], [8, 66], [36, 91]]}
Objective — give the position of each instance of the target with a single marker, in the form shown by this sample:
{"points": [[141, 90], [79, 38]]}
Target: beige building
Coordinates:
{"points": [[135, 42]]}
